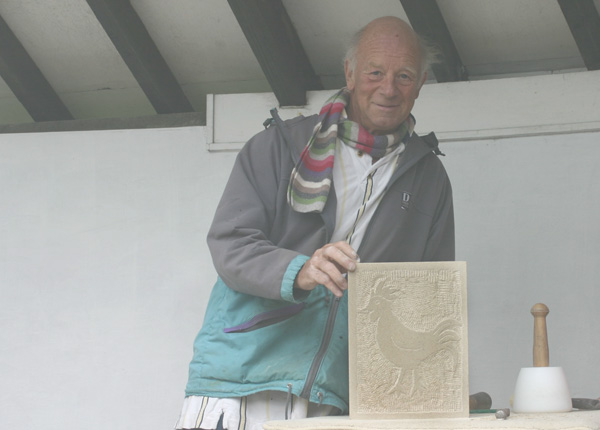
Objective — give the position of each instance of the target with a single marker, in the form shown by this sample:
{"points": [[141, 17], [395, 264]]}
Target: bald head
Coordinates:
{"points": [[390, 25]]}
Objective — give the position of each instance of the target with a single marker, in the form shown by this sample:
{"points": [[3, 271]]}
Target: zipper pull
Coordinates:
{"points": [[288, 403], [320, 396]]}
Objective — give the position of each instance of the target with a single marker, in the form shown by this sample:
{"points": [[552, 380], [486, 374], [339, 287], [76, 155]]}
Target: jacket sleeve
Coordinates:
{"points": [[440, 243], [238, 239]]}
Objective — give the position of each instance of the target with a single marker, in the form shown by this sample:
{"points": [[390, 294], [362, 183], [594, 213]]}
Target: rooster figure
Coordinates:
{"points": [[407, 349]]}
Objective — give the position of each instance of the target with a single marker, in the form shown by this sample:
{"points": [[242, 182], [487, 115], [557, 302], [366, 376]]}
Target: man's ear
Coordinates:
{"points": [[349, 72]]}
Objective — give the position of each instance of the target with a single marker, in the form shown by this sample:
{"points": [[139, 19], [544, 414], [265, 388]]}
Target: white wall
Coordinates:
{"points": [[104, 272], [527, 212]]}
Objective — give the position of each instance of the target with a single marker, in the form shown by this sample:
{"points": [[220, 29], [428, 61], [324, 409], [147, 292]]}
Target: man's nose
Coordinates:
{"points": [[388, 86]]}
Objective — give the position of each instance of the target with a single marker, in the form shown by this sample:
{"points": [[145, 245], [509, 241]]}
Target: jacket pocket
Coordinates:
{"points": [[265, 319]]}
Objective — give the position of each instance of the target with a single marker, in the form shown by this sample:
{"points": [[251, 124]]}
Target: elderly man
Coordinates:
{"points": [[305, 199]]}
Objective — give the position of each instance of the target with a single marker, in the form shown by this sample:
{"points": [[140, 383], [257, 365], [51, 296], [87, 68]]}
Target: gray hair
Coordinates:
{"points": [[430, 54]]}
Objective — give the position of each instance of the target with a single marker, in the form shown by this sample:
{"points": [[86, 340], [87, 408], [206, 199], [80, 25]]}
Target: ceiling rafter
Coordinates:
{"points": [[277, 48], [26, 81], [427, 20], [133, 42], [584, 22]]}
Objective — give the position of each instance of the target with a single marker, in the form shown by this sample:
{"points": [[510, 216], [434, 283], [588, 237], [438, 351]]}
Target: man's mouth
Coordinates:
{"points": [[386, 107]]}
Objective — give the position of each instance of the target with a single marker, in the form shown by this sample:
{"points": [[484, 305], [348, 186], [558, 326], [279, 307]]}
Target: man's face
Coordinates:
{"points": [[385, 82]]}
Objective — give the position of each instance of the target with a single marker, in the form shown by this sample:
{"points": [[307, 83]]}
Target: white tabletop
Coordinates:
{"points": [[575, 420]]}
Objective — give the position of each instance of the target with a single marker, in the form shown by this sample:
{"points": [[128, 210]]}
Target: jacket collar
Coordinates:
{"points": [[417, 147]]}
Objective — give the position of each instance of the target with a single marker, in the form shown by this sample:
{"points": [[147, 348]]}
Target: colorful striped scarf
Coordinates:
{"points": [[310, 181]]}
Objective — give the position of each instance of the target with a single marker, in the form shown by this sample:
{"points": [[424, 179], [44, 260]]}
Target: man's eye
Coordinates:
{"points": [[405, 78]]}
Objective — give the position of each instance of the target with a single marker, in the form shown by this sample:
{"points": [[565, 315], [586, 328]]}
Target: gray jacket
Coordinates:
{"points": [[257, 335]]}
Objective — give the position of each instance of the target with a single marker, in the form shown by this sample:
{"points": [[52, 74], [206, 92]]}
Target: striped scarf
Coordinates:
{"points": [[310, 181]]}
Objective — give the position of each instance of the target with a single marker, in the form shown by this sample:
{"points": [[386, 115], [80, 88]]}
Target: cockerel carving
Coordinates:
{"points": [[405, 348]]}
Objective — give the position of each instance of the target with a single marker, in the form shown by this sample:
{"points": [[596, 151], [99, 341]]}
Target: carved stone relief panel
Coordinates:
{"points": [[408, 345]]}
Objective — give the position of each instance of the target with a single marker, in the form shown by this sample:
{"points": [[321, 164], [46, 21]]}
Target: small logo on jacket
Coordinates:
{"points": [[405, 201]]}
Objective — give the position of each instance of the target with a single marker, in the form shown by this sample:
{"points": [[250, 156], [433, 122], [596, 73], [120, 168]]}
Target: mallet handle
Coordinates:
{"points": [[541, 356]]}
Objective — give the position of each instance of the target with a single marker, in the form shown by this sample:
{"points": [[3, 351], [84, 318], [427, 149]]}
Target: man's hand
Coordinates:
{"points": [[328, 266]]}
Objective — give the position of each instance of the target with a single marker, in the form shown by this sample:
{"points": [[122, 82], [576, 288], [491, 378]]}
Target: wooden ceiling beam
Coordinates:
{"points": [[26, 81], [584, 22], [277, 48], [427, 20], [133, 42]]}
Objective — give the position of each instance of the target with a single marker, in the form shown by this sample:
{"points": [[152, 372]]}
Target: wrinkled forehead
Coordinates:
{"points": [[395, 43]]}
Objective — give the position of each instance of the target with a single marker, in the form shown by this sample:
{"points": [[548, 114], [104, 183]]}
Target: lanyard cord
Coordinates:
{"points": [[363, 206]]}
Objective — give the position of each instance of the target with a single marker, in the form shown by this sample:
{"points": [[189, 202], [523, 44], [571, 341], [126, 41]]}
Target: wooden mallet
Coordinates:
{"points": [[541, 355]]}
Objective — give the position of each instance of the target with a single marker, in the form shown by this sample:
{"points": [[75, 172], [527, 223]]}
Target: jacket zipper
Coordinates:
{"points": [[316, 364]]}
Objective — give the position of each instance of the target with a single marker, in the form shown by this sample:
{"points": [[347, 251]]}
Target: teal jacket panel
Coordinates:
{"points": [[241, 351]]}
